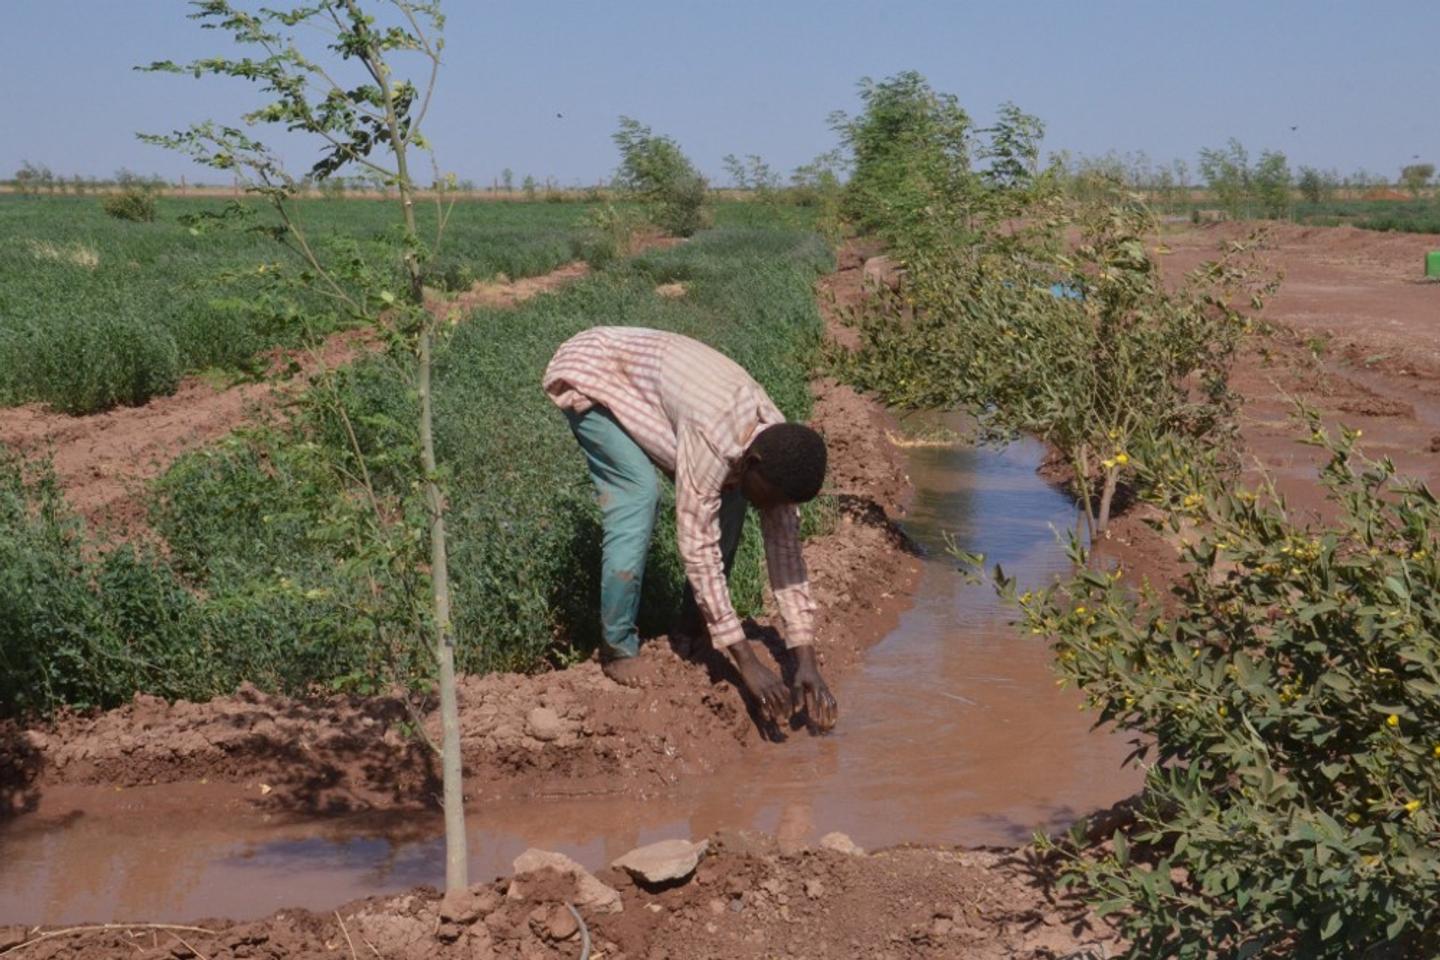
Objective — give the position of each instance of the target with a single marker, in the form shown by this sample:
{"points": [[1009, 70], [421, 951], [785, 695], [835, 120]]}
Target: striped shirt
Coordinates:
{"points": [[694, 411]]}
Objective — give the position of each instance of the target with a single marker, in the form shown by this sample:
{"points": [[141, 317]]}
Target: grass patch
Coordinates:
{"points": [[97, 312], [267, 579]]}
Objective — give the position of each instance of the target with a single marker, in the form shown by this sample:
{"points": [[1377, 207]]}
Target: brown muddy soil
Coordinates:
{"points": [[1353, 333], [747, 899], [1357, 337], [564, 733]]}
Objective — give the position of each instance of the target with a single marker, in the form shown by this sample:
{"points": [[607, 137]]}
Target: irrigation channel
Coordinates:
{"points": [[952, 731]]}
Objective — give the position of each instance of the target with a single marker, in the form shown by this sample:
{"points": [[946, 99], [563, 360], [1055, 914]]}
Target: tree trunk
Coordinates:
{"points": [[457, 868], [1112, 477], [456, 859]]}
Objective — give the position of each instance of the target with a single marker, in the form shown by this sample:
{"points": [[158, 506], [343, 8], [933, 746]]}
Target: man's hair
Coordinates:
{"points": [[792, 458]]}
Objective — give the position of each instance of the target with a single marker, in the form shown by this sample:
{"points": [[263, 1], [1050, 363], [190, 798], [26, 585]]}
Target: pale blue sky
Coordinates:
{"points": [[760, 76]]}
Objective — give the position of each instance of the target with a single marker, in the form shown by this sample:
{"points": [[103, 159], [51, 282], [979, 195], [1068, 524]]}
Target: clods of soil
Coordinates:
{"points": [[744, 899]]}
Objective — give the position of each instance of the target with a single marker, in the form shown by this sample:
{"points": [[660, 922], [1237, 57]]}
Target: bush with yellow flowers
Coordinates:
{"points": [[1288, 696], [1083, 346]]}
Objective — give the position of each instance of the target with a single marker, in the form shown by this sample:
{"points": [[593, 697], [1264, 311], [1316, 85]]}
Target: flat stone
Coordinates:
{"points": [[663, 862], [840, 843], [590, 892], [544, 724]]}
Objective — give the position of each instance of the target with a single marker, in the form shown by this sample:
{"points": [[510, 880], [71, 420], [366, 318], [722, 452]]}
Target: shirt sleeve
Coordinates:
{"points": [[780, 527], [700, 472]]}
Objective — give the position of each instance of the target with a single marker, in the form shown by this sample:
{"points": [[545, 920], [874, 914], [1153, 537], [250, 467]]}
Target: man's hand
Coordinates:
{"points": [[770, 694], [811, 692]]}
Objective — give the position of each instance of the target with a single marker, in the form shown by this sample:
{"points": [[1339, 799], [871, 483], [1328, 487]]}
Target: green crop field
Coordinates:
{"points": [[264, 579], [1406, 216], [97, 312]]}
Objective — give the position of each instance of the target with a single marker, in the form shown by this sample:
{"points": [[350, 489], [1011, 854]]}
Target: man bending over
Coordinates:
{"points": [[638, 399]]}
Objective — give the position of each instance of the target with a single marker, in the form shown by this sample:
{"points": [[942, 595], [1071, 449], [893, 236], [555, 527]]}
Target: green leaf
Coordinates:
{"points": [[1106, 907], [1122, 849]]}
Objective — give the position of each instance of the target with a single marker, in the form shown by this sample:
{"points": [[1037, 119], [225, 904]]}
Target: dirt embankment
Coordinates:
{"points": [[746, 899], [1355, 338], [1351, 335], [568, 732]]}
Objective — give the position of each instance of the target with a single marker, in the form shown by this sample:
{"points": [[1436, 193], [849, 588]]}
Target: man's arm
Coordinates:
{"points": [[785, 562], [699, 474], [780, 527]]}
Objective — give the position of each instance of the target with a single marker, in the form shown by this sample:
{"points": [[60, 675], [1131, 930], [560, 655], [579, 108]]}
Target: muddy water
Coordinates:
{"points": [[952, 731]]}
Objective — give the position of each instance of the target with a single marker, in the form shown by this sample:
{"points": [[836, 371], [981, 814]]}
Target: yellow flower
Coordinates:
{"points": [[1122, 458], [1412, 806], [1437, 751], [1392, 721], [1224, 711], [1079, 609]]}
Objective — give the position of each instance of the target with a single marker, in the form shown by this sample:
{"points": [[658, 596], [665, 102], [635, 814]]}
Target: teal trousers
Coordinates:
{"points": [[629, 493]]}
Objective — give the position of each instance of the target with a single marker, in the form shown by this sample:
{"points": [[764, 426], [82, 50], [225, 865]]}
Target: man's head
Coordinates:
{"points": [[785, 463]]}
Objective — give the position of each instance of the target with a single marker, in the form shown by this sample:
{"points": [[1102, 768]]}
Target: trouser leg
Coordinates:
{"points": [[629, 491]]}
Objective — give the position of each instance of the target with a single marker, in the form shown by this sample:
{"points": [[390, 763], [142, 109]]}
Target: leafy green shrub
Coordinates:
{"points": [[1244, 189], [659, 175], [610, 234], [81, 631], [451, 274], [1273, 181], [133, 203], [106, 362], [1107, 369], [1291, 691], [911, 150]]}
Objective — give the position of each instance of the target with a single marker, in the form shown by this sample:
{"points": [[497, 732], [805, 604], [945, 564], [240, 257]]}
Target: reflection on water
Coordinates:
{"points": [[952, 731]]}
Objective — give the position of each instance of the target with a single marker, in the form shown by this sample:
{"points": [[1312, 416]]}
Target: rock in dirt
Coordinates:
{"points": [[814, 889], [554, 923], [882, 271], [744, 843], [840, 843], [544, 724], [467, 906], [590, 893], [663, 862]]}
